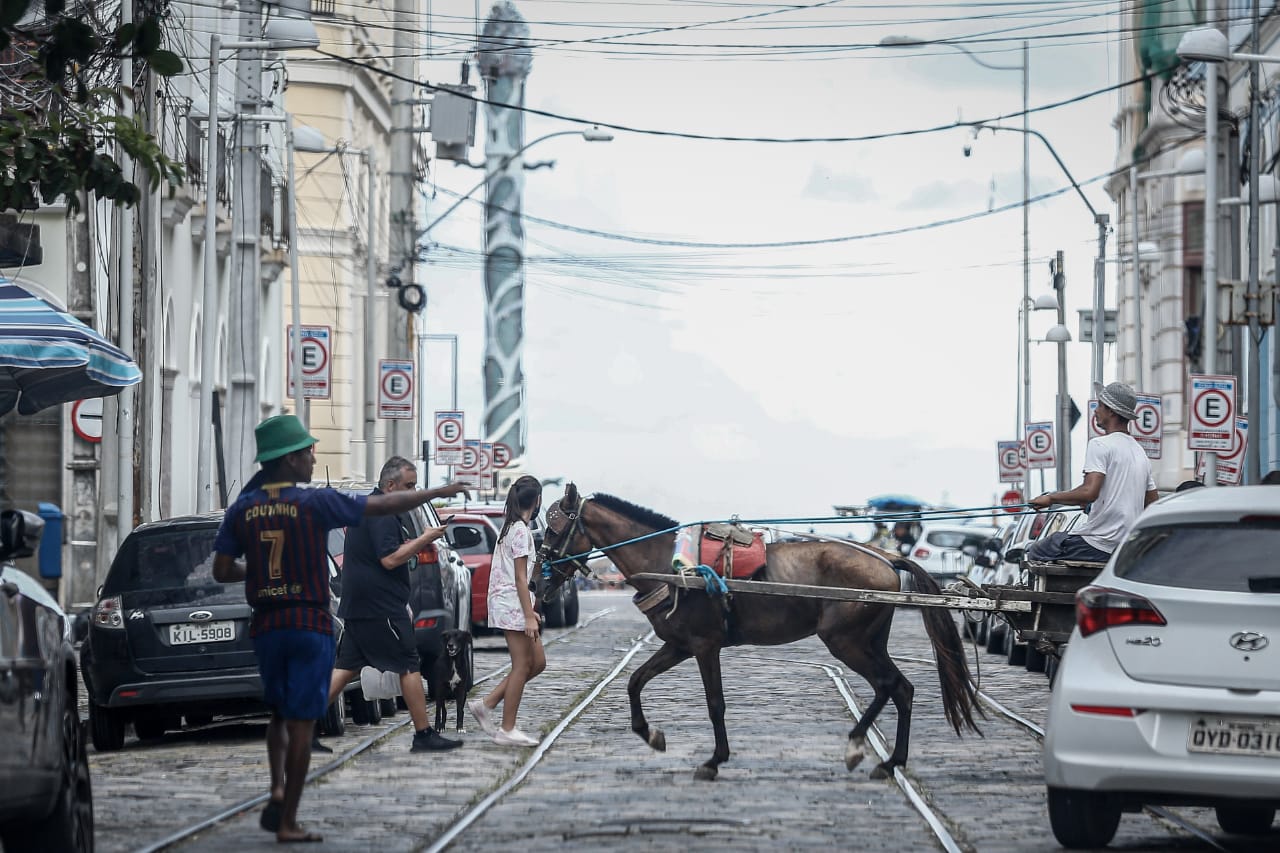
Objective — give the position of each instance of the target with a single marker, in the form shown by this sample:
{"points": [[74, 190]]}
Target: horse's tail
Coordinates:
{"points": [[959, 698]]}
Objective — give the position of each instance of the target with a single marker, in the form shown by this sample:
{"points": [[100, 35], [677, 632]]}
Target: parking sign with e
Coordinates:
{"points": [[1040, 446], [1148, 427], [1212, 409]]}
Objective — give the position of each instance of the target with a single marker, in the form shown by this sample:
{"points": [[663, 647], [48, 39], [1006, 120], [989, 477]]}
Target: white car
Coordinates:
{"points": [[1170, 689], [940, 548]]}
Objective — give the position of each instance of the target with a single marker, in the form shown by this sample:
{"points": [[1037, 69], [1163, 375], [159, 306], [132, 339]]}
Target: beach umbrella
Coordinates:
{"points": [[48, 357]]}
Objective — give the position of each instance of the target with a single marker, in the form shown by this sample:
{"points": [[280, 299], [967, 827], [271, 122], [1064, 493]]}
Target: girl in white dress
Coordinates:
{"points": [[511, 609]]}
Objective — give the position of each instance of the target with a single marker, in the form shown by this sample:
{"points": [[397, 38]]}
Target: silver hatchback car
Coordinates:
{"points": [[1170, 689]]}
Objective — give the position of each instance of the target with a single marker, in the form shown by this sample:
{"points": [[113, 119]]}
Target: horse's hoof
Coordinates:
{"points": [[882, 771], [658, 740], [853, 754], [705, 773]]}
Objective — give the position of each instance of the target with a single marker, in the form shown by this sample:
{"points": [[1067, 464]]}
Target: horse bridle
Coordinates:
{"points": [[559, 521]]}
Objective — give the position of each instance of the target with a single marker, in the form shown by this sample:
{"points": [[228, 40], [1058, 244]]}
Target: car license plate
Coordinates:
{"points": [[1235, 736], [185, 633]]}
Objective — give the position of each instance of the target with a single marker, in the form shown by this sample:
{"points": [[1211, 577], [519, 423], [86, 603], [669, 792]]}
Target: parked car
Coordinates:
{"points": [[46, 796], [1170, 687], [167, 642], [562, 610], [940, 548]]}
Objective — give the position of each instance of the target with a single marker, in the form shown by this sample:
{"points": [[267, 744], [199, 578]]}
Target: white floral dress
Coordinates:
{"points": [[505, 611]]}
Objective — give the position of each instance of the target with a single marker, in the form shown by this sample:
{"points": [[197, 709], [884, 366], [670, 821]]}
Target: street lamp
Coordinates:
{"points": [[591, 134], [1210, 46], [911, 41], [283, 32], [310, 141]]}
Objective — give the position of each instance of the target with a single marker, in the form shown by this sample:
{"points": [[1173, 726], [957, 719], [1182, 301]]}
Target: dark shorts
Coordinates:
{"points": [[1065, 546], [295, 666], [386, 644]]}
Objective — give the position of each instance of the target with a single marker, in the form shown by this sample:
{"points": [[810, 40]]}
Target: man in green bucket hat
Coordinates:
{"points": [[280, 530]]}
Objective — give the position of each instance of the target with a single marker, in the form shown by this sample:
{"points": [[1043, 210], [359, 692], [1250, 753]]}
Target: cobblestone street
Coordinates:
{"points": [[598, 786]]}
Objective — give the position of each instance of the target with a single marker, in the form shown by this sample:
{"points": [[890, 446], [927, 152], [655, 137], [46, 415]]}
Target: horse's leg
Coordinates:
{"points": [[661, 661], [713, 687], [869, 657]]}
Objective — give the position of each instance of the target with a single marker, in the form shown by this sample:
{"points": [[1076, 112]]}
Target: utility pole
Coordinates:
{"points": [[244, 338], [125, 421], [1252, 473], [1064, 399], [401, 241], [82, 533]]}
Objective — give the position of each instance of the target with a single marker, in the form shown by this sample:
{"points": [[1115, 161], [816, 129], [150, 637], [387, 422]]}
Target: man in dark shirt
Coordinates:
{"points": [[280, 531], [377, 630]]}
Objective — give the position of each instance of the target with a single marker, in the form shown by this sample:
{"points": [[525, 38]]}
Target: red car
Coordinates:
{"points": [[562, 611], [478, 557]]}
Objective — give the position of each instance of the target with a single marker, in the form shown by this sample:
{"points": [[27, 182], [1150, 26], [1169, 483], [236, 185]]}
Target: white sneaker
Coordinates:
{"points": [[483, 716], [515, 737]]}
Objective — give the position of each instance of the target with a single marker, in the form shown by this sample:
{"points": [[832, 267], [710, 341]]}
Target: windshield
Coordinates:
{"points": [[1226, 556], [170, 559]]}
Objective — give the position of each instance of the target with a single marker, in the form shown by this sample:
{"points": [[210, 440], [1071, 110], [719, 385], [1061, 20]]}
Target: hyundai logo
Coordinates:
{"points": [[205, 616], [1248, 641]]}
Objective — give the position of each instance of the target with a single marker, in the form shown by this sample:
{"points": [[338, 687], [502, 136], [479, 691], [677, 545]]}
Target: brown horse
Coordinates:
{"points": [[857, 633]]}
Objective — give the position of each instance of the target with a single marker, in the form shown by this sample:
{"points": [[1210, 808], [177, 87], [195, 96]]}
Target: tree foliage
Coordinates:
{"points": [[61, 126]]}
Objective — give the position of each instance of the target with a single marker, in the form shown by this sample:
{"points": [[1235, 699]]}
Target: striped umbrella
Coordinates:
{"points": [[48, 357]]}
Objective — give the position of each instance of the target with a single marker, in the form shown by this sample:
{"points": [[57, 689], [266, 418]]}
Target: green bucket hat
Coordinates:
{"points": [[281, 435]]}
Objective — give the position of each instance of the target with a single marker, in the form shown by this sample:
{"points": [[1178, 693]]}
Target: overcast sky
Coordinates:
{"points": [[770, 382]]}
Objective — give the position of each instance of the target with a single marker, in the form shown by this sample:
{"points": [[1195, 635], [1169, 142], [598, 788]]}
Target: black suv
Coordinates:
{"points": [[46, 800], [166, 641]]}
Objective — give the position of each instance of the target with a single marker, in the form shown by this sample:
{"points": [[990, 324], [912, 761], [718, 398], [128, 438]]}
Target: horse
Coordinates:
{"points": [[699, 625]]}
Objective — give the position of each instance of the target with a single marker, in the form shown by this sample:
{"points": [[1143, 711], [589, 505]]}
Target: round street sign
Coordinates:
{"points": [[1011, 458], [448, 431], [315, 356], [1148, 421], [1211, 403], [86, 419], [1040, 441], [501, 455], [470, 460], [1238, 439], [396, 385], [1010, 500]]}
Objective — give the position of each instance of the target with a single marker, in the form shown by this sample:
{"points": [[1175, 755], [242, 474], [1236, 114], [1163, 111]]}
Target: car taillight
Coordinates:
{"points": [[921, 553], [106, 613], [426, 622], [1106, 710], [1099, 608]]}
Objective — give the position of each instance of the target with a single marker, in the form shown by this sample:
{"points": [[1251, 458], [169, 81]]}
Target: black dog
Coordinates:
{"points": [[450, 677]]}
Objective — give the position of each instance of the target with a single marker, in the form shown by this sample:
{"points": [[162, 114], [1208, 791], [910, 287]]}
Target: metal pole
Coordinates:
{"points": [[1064, 401], [1026, 261], [1209, 327], [402, 190], [1135, 286], [124, 517], [1099, 297], [1252, 473], [245, 338], [295, 289], [370, 335], [209, 302]]}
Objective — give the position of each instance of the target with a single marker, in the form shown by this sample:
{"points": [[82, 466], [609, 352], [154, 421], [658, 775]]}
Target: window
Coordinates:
{"points": [[1224, 556]]}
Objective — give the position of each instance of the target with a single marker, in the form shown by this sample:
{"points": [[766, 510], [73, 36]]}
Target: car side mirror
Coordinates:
{"points": [[1014, 555], [19, 533], [464, 537]]}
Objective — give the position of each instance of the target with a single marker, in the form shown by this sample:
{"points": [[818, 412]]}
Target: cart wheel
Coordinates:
{"points": [[995, 638], [1017, 651]]}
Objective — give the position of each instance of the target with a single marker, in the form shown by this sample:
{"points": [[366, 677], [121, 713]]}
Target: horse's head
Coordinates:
{"points": [[564, 537]]}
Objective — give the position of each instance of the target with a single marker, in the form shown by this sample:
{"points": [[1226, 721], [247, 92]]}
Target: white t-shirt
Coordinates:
{"points": [[1126, 480]]}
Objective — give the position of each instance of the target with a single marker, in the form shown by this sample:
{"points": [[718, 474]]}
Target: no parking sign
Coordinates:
{"points": [[1040, 447], [1013, 467], [1213, 406], [1148, 427]]}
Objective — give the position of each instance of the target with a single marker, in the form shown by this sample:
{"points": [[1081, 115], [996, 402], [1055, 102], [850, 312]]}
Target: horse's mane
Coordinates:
{"points": [[638, 514]]}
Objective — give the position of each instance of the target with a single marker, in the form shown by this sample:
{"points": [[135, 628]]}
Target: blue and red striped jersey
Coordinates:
{"points": [[280, 530]]}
